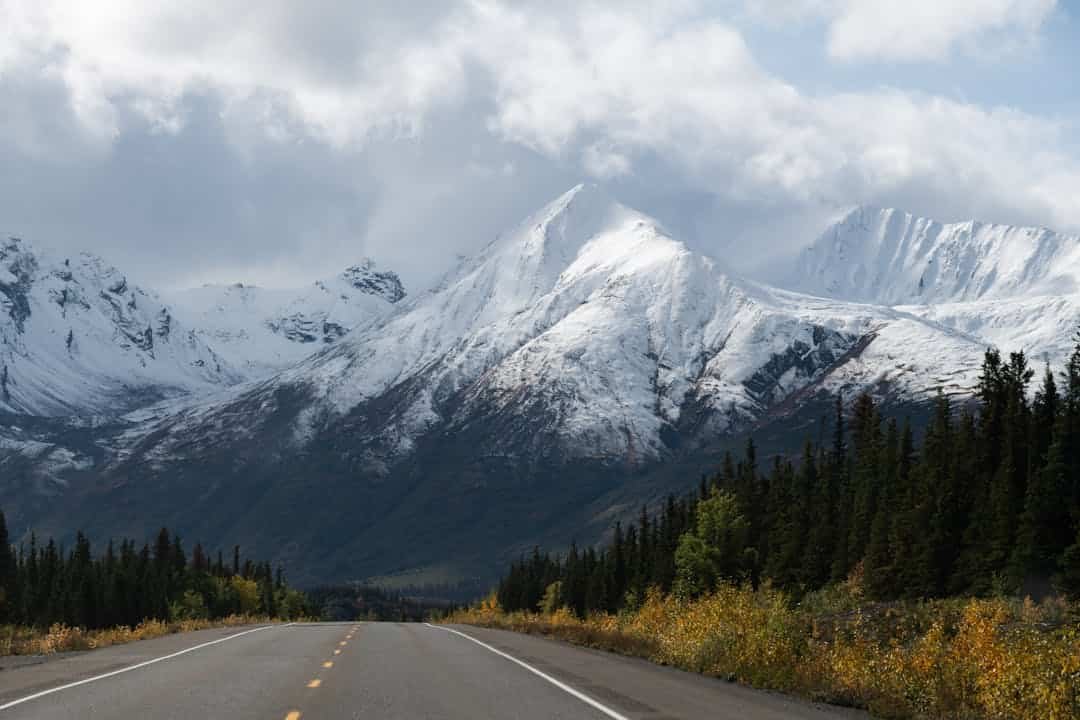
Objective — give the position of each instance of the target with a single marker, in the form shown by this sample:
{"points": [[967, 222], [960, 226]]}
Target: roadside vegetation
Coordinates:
{"points": [[26, 640], [868, 572], [54, 600], [951, 658]]}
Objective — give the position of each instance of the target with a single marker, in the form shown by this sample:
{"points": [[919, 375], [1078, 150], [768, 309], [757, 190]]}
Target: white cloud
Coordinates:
{"points": [[605, 162], [930, 29], [646, 94]]}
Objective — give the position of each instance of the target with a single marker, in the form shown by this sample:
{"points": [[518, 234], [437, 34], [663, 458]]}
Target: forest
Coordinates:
{"points": [[45, 584], [987, 503]]}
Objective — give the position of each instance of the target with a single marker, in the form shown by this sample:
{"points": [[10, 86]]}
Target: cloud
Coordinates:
{"points": [[912, 30], [930, 29], [207, 140]]}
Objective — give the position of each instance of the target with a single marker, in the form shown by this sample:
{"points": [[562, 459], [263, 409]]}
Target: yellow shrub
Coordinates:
{"points": [[950, 659], [63, 638]]}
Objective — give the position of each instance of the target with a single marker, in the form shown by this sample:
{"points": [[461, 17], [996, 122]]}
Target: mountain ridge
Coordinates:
{"points": [[891, 257], [564, 368]]}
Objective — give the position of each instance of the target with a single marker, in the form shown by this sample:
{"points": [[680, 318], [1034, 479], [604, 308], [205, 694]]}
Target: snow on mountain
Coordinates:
{"points": [[261, 330], [77, 337], [1015, 288], [889, 257], [1043, 326], [588, 331]]}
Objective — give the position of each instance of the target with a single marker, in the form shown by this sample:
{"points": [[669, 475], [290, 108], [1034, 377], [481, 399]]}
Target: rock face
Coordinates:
{"points": [[582, 362]]}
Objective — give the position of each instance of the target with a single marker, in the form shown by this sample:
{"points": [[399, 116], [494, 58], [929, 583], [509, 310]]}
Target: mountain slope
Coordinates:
{"points": [[586, 332], [260, 330], [889, 257], [1015, 288], [77, 337]]}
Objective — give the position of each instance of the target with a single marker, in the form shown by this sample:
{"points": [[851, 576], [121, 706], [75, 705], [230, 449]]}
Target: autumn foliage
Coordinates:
{"points": [[958, 659]]}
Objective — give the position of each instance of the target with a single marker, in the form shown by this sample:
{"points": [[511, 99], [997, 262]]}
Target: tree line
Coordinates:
{"points": [[345, 603], [44, 583], [987, 503]]}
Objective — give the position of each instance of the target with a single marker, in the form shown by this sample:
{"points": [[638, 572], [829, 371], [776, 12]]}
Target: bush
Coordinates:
{"points": [[958, 659]]}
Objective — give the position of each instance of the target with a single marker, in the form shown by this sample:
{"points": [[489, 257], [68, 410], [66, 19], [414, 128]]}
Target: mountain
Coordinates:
{"points": [[584, 361], [889, 257], [1012, 287], [77, 337], [260, 330]]}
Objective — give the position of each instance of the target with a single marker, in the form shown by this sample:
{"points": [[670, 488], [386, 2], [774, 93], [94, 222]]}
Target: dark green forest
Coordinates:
{"points": [[986, 503], [43, 584]]}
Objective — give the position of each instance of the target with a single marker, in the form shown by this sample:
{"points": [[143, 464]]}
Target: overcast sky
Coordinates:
{"points": [[205, 141]]}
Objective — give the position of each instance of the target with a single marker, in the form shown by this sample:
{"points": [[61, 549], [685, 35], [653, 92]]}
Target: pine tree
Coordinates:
{"points": [[1044, 412], [843, 497], [866, 477], [9, 577], [878, 560], [1045, 526]]}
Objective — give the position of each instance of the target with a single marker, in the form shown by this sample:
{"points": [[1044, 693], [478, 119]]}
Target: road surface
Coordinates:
{"points": [[383, 671]]}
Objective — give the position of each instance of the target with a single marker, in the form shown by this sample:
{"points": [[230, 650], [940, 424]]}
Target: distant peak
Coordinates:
{"points": [[889, 256]]}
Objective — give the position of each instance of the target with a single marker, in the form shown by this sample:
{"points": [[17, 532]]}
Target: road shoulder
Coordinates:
{"points": [[642, 689]]}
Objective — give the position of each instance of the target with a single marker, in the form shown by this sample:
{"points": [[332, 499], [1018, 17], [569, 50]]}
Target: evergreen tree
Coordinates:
{"points": [[9, 577]]}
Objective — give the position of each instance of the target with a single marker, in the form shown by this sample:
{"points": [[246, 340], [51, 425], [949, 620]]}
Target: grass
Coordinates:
{"points": [[21, 640], [957, 659]]}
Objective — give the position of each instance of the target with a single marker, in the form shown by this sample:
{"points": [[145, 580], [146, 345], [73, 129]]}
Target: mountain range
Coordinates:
{"points": [[582, 363]]}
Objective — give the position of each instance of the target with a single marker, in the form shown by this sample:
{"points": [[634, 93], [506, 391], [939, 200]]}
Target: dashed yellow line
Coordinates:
{"points": [[315, 683], [337, 652], [294, 715], [343, 643], [328, 664]]}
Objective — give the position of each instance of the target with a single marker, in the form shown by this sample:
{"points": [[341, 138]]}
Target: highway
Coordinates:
{"points": [[332, 671]]}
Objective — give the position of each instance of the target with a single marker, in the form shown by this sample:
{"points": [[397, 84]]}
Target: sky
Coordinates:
{"points": [[207, 141]]}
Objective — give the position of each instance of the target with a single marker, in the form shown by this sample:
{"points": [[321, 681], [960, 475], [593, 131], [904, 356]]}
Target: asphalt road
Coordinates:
{"points": [[372, 670]]}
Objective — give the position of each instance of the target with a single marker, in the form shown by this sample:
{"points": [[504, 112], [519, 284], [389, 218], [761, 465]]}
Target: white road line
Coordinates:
{"points": [[557, 683], [129, 668]]}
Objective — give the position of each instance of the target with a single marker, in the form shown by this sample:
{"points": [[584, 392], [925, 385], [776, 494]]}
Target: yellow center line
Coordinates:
{"points": [[343, 643], [315, 683], [337, 652], [294, 715], [328, 664]]}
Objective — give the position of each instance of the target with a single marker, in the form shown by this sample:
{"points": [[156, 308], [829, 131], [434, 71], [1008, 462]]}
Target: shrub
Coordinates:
{"points": [[957, 659]]}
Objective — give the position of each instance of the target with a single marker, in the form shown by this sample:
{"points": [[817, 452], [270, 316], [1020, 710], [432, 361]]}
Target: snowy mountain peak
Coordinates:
{"points": [[891, 257], [76, 335]]}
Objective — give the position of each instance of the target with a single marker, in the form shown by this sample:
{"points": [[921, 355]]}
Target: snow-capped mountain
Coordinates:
{"points": [[581, 352], [76, 336], [260, 330], [1012, 287], [889, 257], [586, 332]]}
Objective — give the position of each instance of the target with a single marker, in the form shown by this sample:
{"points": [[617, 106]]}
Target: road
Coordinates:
{"points": [[330, 671]]}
